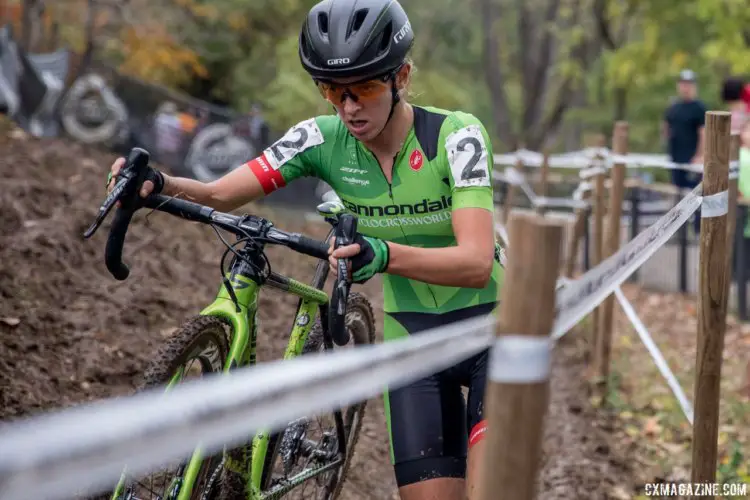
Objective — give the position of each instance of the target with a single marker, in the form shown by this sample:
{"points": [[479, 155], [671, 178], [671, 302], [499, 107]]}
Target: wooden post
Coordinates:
{"points": [[598, 246], [543, 188], [604, 338], [511, 194], [571, 251], [517, 387], [734, 155], [712, 304]]}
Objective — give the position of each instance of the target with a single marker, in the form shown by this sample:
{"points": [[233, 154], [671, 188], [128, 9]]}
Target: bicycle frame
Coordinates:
{"points": [[246, 286], [242, 349], [236, 302]]}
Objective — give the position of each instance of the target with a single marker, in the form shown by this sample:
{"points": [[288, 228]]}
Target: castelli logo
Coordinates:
{"points": [[415, 160]]}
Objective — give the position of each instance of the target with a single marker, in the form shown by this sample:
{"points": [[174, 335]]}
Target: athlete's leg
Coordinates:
{"points": [[427, 427], [477, 425], [427, 422], [475, 376]]}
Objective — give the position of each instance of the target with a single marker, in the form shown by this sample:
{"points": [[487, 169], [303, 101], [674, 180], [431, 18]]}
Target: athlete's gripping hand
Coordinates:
{"points": [[368, 257], [154, 182]]}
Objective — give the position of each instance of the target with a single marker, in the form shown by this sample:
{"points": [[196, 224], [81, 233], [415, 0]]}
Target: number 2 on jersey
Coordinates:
{"points": [[467, 156], [297, 139]]}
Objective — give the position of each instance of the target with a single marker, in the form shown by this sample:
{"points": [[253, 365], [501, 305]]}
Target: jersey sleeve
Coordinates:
{"points": [[469, 161], [297, 154]]}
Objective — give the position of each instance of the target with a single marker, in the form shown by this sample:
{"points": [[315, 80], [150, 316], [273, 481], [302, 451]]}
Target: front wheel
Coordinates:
{"points": [[198, 348], [303, 460]]}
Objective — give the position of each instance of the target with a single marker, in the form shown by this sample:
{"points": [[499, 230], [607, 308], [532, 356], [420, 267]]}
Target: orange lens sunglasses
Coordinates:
{"points": [[365, 91]]}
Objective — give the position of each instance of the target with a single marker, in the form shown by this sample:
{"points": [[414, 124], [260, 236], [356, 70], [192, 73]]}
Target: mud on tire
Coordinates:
{"points": [[200, 338]]}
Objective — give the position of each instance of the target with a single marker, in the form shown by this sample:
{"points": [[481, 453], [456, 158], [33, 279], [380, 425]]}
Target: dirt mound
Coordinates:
{"points": [[69, 332]]}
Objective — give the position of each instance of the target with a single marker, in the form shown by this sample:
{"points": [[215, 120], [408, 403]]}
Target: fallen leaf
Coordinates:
{"points": [[651, 427], [619, 493], [11, 321], [723, 438], [632, 431], [18, 134]]}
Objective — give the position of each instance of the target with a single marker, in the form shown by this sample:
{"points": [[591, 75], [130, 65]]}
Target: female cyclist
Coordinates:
{"points": [[419, 180]]}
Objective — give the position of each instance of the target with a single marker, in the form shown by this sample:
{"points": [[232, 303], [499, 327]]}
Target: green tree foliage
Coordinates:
{"points": [[534, 71]]}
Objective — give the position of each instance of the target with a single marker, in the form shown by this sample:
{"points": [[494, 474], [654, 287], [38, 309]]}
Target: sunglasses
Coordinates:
{"points": [[364, 90]]}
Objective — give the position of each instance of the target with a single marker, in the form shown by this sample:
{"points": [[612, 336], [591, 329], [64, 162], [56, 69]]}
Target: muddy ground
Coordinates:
{"points": [[70, 333]]}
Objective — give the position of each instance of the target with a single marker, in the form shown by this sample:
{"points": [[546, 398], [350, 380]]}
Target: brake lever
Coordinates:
{"points": [[132, 169], [346, 229], [106, 206]]}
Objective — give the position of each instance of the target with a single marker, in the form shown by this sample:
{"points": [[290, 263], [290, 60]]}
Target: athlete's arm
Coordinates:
{"points": [[277, 165], [468, 265], [229, 192]]}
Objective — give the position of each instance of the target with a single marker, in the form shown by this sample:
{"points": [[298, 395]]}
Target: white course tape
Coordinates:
{"points": [[520, 359], [591, 172], [542, 201], [513, 176], [581, 296], [715, 205], [582, 189], [661, 364], [53, 456], [587, 158]]}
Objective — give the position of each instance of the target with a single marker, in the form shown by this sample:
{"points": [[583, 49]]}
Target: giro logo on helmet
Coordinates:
{"points": [[339, 61], [406, 28]]}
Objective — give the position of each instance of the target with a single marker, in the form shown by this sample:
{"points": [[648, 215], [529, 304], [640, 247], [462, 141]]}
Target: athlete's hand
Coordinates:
{"points": [[154, 182], [368, 257]]}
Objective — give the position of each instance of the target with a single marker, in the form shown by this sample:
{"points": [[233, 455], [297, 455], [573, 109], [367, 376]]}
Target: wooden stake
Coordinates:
{"points": [[604, 338], [598, 250], [510, 196], [543, 188], [712, 304], [517, 396], [571, 251]]}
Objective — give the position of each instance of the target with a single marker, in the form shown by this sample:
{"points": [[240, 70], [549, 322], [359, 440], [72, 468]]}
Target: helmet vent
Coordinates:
{"points": [[323, 23], [359, 18], [386, 40]]}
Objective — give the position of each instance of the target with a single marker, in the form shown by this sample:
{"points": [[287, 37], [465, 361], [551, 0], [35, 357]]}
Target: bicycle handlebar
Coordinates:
{"points": [[129, 180], [346, 231]]}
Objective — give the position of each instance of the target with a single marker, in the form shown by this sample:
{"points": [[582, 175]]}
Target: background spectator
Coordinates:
{"points": [[258, 127], [168, 133], [683, 128], [744, 178], [733, 94]]}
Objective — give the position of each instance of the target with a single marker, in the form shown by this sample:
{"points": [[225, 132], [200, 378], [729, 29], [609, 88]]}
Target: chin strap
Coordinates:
{"points": [[395, 99]]}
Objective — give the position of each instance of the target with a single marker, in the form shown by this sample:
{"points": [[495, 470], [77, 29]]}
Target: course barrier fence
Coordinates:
{"points": [[84, 449]]}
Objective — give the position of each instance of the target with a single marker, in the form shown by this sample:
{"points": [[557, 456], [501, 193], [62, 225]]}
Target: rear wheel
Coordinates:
{"points": [[199, 347]]}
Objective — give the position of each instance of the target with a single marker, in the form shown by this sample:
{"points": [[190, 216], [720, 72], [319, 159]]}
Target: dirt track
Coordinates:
{"points": [[70, 333]]}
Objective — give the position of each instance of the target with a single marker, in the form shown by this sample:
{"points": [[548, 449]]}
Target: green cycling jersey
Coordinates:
{"points": [[445, 164]]}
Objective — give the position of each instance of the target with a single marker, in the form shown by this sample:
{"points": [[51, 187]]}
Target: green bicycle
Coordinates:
{"points": [[223, 336]]}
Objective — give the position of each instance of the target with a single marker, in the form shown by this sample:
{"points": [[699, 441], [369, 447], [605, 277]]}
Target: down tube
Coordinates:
{"points": [[243, 335], [303, 323]]}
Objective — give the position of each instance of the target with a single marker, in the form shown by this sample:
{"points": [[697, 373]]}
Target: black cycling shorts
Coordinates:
{"points": [[431, 424]]}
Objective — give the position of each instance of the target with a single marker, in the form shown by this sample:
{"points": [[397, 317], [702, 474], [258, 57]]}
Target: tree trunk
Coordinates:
{"points": [[621, 103], [493, 73]]}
